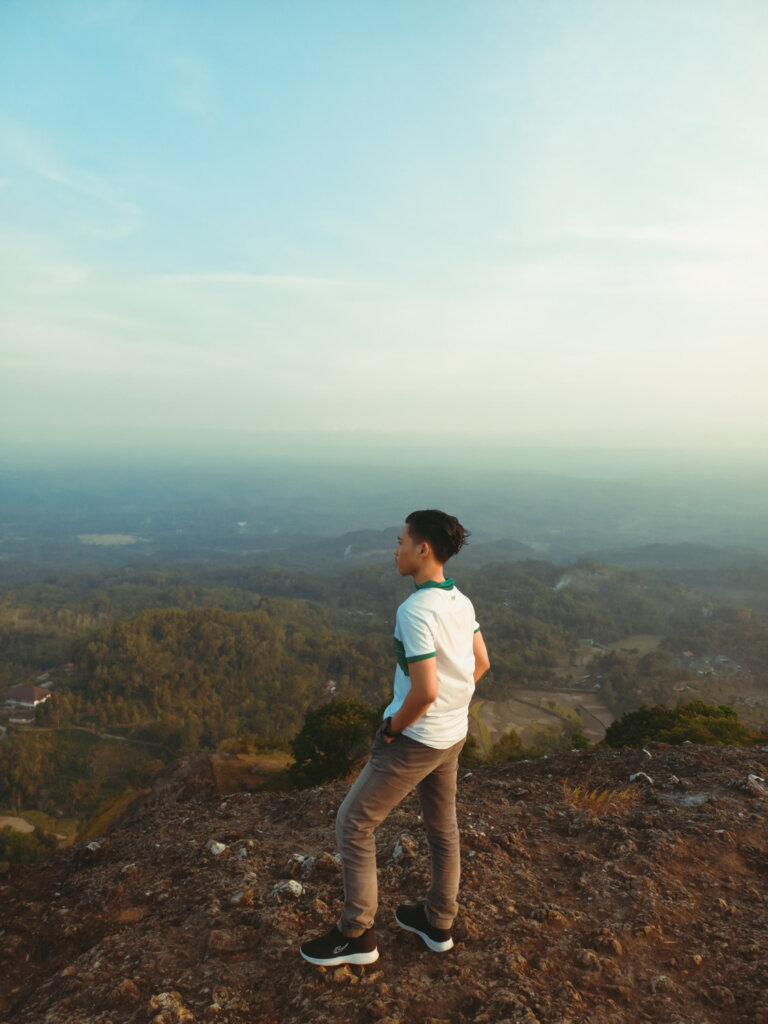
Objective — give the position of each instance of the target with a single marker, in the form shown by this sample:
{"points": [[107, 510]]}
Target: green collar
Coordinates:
{"points": [[447, 584]]}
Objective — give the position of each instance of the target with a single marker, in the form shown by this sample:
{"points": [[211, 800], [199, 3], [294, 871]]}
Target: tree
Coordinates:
{"points": [[508, 747], [331, 739]]}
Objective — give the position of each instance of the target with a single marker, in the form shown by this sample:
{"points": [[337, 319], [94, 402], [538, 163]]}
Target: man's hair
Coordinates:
{"points": [[444, 533]]}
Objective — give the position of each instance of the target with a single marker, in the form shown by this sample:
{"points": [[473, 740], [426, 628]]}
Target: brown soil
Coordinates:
{"points": [[657, 913]]}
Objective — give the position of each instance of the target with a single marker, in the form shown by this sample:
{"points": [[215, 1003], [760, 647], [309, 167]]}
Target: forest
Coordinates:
{"points": [[149, 663]]}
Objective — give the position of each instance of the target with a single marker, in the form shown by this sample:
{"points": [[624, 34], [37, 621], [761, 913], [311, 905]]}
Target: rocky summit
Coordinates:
{"points": [[602, 887]]}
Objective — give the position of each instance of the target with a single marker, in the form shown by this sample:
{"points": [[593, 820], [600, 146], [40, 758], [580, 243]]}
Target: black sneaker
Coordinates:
{"points": [[414, 919], [335, 948]]}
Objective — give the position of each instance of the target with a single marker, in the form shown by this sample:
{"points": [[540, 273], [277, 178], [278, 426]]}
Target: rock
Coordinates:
{"points": [[641, 777], [242, 899], [290, 888], [298, 863], [623, 849], [721, 996], [405, 850], [757, 785], [180, 1015], [662, 983], [92, 852], [568, 993], [587, 959], [216, 848], [325, 865], [233, 940], [125, 993], [129, 915], [621, 993], [164, 1002]]}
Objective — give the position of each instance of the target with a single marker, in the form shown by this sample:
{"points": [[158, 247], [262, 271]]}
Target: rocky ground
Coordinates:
{"points": [[193, 907]]}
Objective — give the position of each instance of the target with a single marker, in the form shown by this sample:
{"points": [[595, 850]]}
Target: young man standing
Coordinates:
{"points": [[440, 657]]}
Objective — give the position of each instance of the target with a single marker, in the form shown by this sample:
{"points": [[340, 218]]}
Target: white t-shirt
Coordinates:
{"points": [[437, 621]]}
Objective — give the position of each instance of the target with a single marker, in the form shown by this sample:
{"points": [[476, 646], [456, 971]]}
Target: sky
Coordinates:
{"points": [[527, 222]]}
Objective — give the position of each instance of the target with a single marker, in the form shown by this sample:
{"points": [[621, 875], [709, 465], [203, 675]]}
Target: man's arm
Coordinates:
{"points": [[423, 692], [482, 662]]}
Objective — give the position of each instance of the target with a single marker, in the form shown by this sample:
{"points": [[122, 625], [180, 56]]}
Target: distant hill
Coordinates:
{"points": [[651, 910], [682, 556]]}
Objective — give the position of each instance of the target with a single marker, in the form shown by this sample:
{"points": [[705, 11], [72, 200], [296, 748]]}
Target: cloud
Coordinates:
{"points": [[109, 214], [729, 232]]}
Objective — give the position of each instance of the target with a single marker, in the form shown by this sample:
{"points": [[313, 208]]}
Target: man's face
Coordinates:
{"points": [[407, 553]]}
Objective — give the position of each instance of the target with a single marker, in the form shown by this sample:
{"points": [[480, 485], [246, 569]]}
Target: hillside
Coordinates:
{"points": [[656, 912]]}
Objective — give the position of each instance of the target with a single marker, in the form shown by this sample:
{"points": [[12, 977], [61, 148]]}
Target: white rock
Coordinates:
{"points": [[757, 785], [290, 888], [216, 848], [641, 775]]}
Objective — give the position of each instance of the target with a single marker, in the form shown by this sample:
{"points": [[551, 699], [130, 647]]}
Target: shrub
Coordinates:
{"points": [[331, 739], [697, 722]]}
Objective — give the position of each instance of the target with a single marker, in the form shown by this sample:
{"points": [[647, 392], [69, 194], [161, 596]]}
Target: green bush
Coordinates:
{"points": [[332, 738], [24, 847], [697, 722]]}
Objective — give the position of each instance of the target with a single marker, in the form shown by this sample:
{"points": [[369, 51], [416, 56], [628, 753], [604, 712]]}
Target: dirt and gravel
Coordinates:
{"points": [[193, 907]]}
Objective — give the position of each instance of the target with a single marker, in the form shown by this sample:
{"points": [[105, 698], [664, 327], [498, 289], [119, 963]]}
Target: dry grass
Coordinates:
{"points": [[600, 801]]}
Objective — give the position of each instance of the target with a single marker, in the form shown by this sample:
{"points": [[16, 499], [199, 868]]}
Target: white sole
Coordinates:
{"points": [[436, 947], [352, 958]]}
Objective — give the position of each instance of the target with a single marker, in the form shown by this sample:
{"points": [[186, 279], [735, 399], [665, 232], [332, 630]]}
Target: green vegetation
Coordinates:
{"points": [[331, 740], [175, 660], [545, 739], [70, 771], [186, 680], [696, 722], [23, 847]]}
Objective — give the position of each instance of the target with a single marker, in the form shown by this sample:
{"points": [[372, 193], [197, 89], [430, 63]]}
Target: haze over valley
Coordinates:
{"points": [[644, 509]]}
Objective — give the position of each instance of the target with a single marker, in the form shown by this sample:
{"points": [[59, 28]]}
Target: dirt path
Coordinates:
{"points": [[93, 732]]}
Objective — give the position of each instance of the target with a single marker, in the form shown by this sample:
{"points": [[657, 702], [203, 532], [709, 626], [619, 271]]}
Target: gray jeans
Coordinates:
{"points": [[393, 770]]}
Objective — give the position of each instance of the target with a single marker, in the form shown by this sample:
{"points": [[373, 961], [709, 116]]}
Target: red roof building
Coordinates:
{"points": [[26, 696]]}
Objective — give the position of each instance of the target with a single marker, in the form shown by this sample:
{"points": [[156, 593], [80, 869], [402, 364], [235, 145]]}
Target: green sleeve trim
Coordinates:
{"points": [[421, 657], [477, 630]]}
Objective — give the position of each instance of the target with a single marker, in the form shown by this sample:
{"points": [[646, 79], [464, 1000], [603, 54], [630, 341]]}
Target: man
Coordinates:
{"points": [[440, 656]]}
